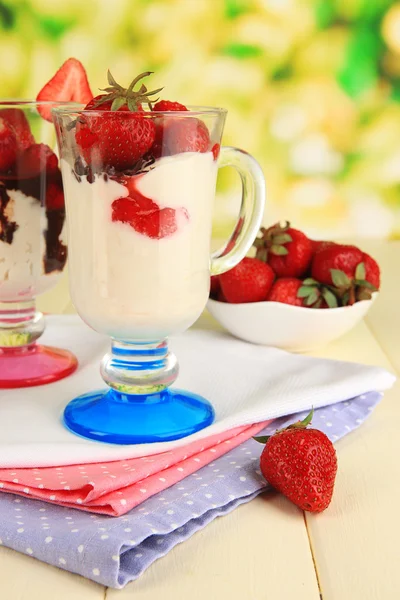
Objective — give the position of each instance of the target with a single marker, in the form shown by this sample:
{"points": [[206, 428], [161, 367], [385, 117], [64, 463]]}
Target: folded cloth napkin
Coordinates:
{"points": [[114, 488], [246, 384], [113, 551]]}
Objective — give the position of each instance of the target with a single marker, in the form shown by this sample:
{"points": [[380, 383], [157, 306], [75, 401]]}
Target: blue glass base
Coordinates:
{"points": [[117, 418]]}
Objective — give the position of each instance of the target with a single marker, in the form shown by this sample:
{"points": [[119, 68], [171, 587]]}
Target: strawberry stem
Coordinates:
{"points": [[120, 95], [304, 423], [263, 439]]}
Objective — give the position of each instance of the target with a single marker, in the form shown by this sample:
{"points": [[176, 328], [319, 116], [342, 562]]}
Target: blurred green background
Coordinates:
{"points": [[312, 88]]}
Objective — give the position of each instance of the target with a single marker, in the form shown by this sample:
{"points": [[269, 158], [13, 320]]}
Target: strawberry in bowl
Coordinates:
{"points": [[315, 291]]}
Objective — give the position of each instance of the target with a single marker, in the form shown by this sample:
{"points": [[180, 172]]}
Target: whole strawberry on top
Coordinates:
{"points": [[287, 250], [354, 274], [301, 463], [249, 281], [126, 134]]}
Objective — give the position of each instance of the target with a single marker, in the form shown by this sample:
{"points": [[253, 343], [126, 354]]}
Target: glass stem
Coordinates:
{"points": [[20, 324], [139, 368]]}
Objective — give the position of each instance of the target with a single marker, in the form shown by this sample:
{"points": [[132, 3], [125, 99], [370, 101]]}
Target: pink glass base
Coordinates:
{"points": [[27, 366]]}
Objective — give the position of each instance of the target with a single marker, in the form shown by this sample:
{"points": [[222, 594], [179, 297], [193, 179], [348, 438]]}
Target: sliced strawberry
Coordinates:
{"points": [[8, 146], [69, 84], [167, 106], [17, 119], [54, 197], [185, 135], [159, 224], [141, 215], [144, 215], [36, 159], [128, 209]]}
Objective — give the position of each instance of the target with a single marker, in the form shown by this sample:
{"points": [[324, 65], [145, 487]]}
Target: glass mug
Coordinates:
{"points": [[139, 235], [33, 248]]}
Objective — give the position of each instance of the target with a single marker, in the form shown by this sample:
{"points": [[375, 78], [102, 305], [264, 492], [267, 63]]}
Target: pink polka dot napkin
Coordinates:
{"points": [[114, 488]]}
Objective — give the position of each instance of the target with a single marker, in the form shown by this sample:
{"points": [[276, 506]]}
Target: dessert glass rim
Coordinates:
{"points": [[13, 103], [67, 108]]}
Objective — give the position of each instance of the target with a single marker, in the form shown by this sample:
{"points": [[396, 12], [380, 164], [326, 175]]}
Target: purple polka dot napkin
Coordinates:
{"points": [[114, 551]]}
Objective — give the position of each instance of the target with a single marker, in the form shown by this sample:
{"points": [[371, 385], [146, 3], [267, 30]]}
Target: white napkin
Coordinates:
{"points": [[245, 383]]}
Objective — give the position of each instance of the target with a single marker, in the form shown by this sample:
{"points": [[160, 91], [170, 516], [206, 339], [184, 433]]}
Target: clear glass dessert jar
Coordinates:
{"points": [[139, 233], [33, 249]]}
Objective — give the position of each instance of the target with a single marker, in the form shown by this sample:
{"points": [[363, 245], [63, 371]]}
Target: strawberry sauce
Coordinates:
{"points": [[144, 215]]}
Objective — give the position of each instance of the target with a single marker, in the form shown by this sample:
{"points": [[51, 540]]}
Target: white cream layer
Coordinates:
{"points": [[125, 284], [21, 262]]}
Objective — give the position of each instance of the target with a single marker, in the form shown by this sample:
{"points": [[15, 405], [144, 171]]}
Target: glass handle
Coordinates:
{"points": [[251, 210]]}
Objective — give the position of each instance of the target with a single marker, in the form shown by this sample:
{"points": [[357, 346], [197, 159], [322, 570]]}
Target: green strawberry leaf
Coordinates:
{"points": [[313, 297], [345, 299], [262, 254], [304, 291], [279, 250], [117, 103], [360, 271], [340, 279], [282, 238], [310, 281], [329, 298], [262, 439], [131, 104], [258, 243], [367, 284], [304, 423], [112, 81]]}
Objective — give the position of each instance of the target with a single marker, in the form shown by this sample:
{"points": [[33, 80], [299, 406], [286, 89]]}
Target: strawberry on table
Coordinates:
{"points": [[249, 281], [69, 84], [300, 463], [17, 119], [8, 146], [287, 250], [354, 274]]}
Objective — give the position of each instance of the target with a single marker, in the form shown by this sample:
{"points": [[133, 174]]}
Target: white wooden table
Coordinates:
{"points": [[268, 549]]}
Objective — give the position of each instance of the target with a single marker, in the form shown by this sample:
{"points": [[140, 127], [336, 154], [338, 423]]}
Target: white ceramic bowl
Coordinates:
{"points": [[291, 328]]}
